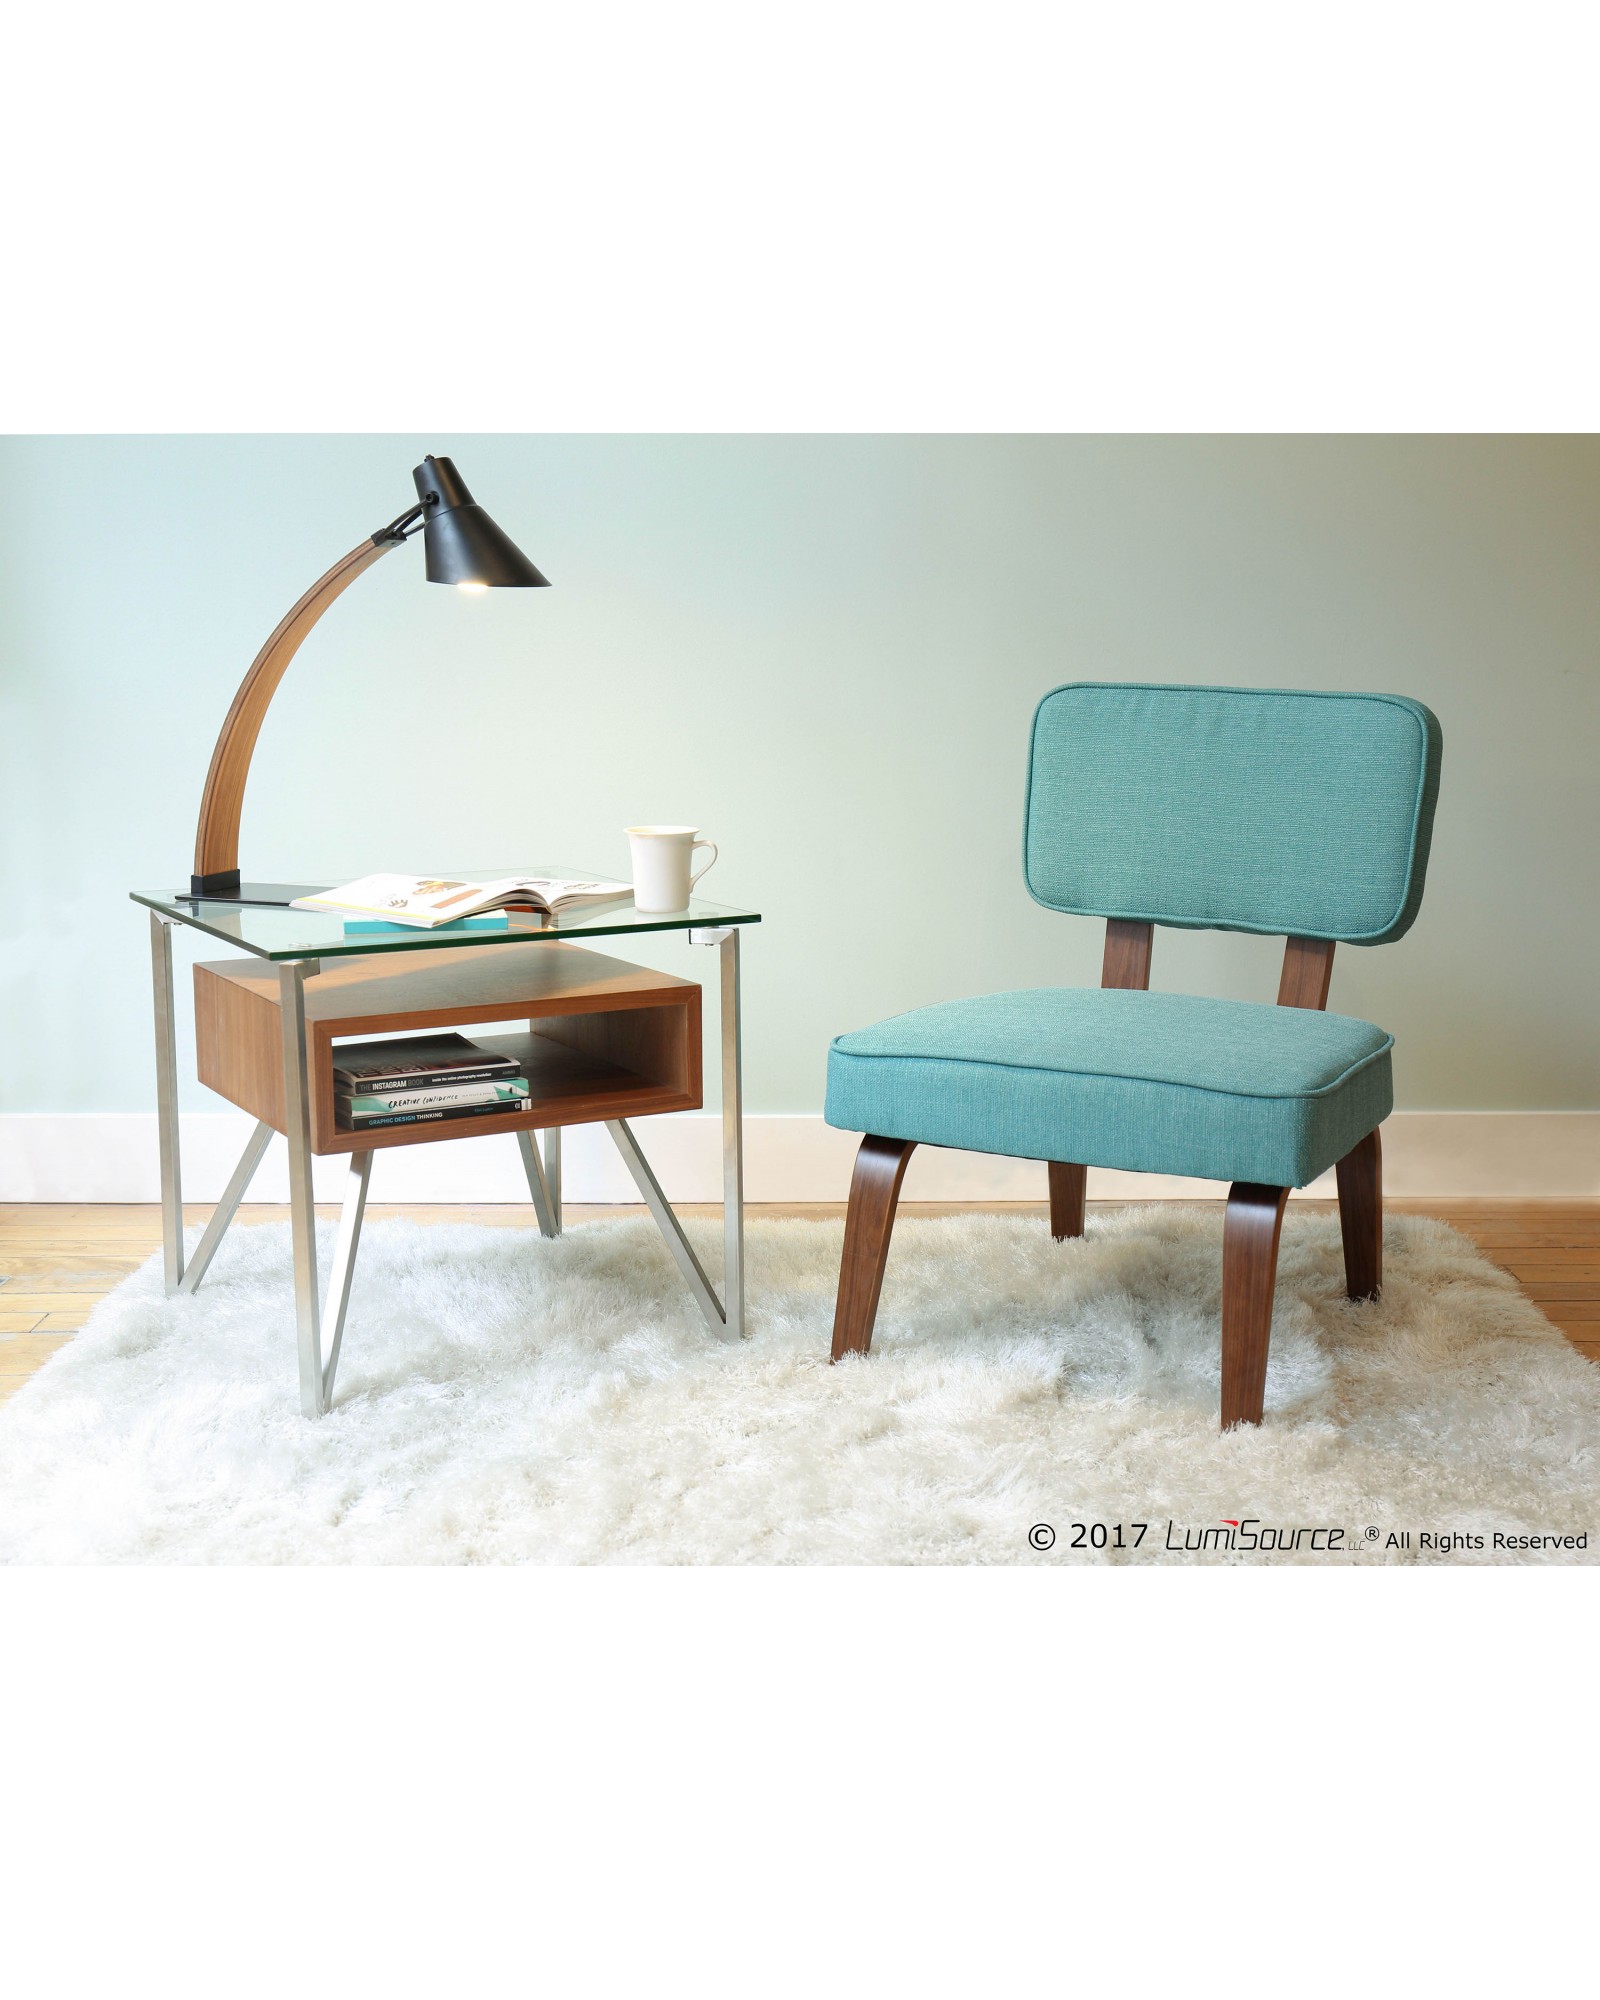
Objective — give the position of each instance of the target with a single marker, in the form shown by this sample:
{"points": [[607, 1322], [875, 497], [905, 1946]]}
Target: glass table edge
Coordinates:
{"points": [[709, 918]]}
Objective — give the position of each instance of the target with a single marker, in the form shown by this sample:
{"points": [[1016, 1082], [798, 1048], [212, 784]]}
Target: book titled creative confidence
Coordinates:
{"points": [[409, 1107]]}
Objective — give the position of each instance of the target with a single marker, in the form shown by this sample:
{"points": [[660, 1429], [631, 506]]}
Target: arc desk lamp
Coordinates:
{"points": [[462, 545]]}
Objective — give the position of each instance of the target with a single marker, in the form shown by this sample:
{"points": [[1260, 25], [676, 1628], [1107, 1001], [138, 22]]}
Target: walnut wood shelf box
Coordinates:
{"points": [[600, 1038]]}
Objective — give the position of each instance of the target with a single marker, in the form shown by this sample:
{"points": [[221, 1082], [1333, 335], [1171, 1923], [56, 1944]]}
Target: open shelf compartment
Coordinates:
{"points": [[601, 1038]]}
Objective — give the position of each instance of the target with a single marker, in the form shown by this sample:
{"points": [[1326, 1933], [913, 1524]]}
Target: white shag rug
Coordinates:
{"points": [[504, 1399]]}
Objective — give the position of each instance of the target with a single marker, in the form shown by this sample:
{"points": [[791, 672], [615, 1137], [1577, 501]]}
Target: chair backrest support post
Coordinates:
{"points": [[1127, 958], [1307, 969]]}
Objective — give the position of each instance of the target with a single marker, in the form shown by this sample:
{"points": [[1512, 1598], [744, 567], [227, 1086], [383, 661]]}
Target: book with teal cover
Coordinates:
{"points": [[379, 1104], [449, 1113], [356, 925]]}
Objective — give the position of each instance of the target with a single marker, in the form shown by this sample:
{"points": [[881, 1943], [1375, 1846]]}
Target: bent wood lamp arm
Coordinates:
{"points": [[463, 547], [216, 840]]}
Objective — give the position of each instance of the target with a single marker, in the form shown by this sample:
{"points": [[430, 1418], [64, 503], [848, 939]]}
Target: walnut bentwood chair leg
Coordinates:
{"points": [[1250, 1233], [874, 1196], [1069, 1185], [1250, 1239], [1360, 1177]]}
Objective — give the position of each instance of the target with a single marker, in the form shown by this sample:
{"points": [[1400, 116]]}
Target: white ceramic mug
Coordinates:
{"points": [[661, 856]]}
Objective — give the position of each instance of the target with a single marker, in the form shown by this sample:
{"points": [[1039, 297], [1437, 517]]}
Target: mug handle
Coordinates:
{"points": [[710, 864]]}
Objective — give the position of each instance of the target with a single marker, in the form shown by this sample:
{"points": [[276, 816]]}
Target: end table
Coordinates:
{"points": [[601, 1041]]}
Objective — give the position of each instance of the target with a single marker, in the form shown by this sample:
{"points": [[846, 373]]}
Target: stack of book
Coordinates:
{"points": [[407, 1079]]}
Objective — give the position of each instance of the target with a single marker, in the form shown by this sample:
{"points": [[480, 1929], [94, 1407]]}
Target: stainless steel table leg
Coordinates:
{"points": [[552, 1174], [226, 1209], [545, 1186], [167, 1101], [732, 1141], [344, 1264], [292, 976], [538, 1185], [667, 1222]]}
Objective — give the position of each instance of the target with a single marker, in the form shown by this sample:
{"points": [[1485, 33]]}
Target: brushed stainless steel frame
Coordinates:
{"points": [[335, 1304], [344, 1265], [538, 1186], [667, 1222], [552, 1172], [167, 1100], [732, 1138], [226, 1209], [292, 976], [725, 1315]]}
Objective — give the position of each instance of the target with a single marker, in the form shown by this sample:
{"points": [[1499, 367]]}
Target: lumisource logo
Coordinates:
{"points": [[1248, 1534]]}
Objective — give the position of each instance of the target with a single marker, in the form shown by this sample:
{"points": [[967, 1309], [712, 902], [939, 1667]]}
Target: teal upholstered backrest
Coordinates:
{"points": [[1239, 809]]}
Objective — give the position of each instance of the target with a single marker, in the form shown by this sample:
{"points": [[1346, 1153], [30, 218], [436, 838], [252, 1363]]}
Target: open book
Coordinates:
{"points": [[425, 901]]}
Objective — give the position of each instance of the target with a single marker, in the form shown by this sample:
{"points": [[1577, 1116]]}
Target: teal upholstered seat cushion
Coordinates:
{"points": [[1151, 1082]]}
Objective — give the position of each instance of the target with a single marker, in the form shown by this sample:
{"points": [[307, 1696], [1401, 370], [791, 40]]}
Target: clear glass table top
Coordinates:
{"points": [[280, 934]]}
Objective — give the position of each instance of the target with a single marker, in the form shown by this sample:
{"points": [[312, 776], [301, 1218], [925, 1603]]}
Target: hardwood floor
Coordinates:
{"points": [[56, 1261]]}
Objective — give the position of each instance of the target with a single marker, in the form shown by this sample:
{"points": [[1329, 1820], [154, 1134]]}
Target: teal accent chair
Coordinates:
{"points": [[1306, 816]]}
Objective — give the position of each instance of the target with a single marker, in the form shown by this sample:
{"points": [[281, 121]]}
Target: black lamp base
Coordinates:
{"points": [[225, 882], [259, 895]]}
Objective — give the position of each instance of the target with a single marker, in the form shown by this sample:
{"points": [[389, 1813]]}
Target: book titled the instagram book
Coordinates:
{"points": [[426, 901]]}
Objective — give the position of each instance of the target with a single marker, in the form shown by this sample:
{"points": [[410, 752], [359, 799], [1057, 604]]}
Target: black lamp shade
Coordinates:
{"points": [[461, 543]]}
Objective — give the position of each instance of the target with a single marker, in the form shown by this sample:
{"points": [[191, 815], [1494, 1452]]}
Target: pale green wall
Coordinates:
{"points": [[825, 650]]}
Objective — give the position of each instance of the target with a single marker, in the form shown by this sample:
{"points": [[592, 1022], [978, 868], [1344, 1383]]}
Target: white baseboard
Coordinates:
{"points": [[94, 1156]]}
